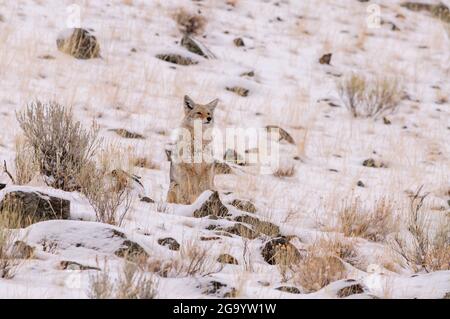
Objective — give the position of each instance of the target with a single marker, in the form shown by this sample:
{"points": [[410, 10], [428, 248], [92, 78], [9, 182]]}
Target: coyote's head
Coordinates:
{"points": [[198, 112]]}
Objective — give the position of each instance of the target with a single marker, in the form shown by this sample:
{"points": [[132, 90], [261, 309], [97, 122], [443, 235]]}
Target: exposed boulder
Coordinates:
{"points": [[222, 168], [72, 265], [193, 45], [131, 250], [239, 42], [242, 231], [176, 59], [244, 205], [280, 251], [370, 162], [34, 206], [326, 58], [171, 243], [263, 227], [291, 290], [79, 43], [353, 289], [212, 207]]}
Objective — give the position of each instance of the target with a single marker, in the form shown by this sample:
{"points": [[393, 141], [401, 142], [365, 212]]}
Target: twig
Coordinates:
{"points": [[5, 169]]}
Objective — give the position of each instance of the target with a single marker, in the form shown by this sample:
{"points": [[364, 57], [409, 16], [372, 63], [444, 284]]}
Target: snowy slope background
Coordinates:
{"points": [[129, 88]]}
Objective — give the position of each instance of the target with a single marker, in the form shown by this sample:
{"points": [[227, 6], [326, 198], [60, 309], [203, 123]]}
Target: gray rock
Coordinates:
{"points": [[79, 43], [280, 251], [212, 206], [171, 243]]}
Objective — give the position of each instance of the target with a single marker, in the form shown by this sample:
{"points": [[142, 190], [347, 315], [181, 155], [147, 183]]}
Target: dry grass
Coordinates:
{"points": [[372, 223], [419, 248], [366, 97], [25, 165], [283, 172], [320, 266], [61, 146], [132, 283], [188, 22], [110, 195]]}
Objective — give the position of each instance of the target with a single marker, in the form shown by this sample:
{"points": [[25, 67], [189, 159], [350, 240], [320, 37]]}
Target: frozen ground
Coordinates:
{"points": [[129, 88]]}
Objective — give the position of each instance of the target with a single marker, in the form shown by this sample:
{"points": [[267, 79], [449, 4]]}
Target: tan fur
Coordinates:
{"points": [[189, 180]]}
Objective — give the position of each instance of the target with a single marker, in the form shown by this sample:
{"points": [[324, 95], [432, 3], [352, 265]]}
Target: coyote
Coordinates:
{"points": [[190, 177]]}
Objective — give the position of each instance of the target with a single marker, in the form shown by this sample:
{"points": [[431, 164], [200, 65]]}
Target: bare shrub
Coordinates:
{"points": [[366, 97], [107, 188], [61, 146], [373, 223], [189, 23], [419, 248], [319, 267], [132, 283], [25, 164]]}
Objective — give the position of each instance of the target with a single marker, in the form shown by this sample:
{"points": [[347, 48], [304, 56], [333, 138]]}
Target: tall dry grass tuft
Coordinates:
{"points": [[373, 223], [419, 247], [366, 97], [188, 22], [61, 147], [132, 283], [108, 188], [321, 265], [25, 164]]}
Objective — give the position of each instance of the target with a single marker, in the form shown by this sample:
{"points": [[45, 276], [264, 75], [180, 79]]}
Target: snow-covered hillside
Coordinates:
{"points": [[336, 162]]}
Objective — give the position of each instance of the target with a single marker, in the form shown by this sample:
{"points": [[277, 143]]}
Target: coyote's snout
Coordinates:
{"points": [[189, 176]]}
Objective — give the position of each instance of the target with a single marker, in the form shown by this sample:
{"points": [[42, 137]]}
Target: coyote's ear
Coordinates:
{"points": [[212, 105], [188, 103]]}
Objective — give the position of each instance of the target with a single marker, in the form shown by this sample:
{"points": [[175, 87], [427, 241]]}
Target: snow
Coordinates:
{"points": [[136, 91]]}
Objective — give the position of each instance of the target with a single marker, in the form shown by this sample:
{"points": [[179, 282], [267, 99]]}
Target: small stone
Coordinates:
{"points": [[249, 74], [373, 163], [350, 290], [131, 251], [243, 231], [79, 43], [222, 168], [239, 42], [291, 290], [71, 265], [386, 121], [127, 134], [284, 136], [238, 90], [176, 59], [170, 242], [146, 199], [263, 227], [227, 259], [326, 58], [360, 184]]}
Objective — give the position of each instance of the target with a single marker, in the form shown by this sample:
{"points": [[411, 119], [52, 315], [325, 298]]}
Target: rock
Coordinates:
{"points": [[291, 290], [238, 90], [212, 206], [170, 242], [266, 228], [350, 290], [127, 134], [280, 251], [203, 238], [222, 168], [2, 186], [386, 121], [243, 231], [244, 205], [21, 250], [239, 42], [71, 265], [176, 59], [78, 43], [373, 163], [227, 259], [146, 199], [447, 295], [196, 47], [232, 156], [360, 184], [214, 287], [326, 58], [283, 134], [131, 251], [35, 206], [249, 74]]}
